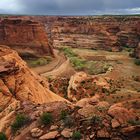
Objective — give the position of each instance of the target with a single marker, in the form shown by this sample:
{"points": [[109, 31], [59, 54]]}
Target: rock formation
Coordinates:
{"points": [[25, 36], [109, 33], [18, 81], [137, 52]]}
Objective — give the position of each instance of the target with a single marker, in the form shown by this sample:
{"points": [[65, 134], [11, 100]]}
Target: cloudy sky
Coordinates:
{"points": [[69, 7]]}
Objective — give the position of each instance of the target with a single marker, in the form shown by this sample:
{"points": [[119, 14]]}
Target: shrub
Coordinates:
{"points": [[63, 114], [137, 61], [2, 136], [134, 122], [76, 135], [19, 122], [96, 120], [46, 118], [68, 52], [68, 121], [78, 63]]}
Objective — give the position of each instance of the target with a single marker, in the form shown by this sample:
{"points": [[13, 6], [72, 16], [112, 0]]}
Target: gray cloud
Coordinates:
{"points": [[73, 7]]}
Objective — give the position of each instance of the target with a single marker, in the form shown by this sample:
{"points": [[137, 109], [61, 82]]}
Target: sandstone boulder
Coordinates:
{"points": [[50, 135], [36, 132], [121, 114]]}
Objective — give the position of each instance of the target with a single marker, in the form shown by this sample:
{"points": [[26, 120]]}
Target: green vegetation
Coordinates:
{"points": [[76, 135], [96, 120], [63, 114], [78, 63], [91, 67], [3, 136], [39, 61], [68, 52], [19, 122], [46, 118], [134, 122], [137, 62], [97, 67]]}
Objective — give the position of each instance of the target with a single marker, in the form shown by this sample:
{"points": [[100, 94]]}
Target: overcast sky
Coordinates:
{"points": [[69, 7]]}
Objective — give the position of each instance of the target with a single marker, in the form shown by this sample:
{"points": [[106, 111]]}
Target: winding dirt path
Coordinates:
{"points": [[60, 66], [58, 60]]}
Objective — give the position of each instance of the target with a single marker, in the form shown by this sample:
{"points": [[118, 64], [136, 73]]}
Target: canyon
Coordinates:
{"points": [[105, 32], [90, 88]]}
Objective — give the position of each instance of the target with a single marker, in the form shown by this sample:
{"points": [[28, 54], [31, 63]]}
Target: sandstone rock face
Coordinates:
{"points": [[18, 81], [25, 36], [36, 132], [107, 33], [121, 114], [137, 51], [50, 135], [17, 85]]}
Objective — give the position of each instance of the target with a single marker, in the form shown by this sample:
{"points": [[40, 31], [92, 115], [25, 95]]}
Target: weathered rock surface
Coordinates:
{"points": [[18, 84], [137, 51], [121, 114], [50, 135], [107, 33], [36, 132], [25, 36], [66, 133], [103, 134], [18, 81]]}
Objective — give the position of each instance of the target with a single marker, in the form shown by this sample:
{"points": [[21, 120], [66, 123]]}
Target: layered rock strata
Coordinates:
{"points": [[25, 36]]}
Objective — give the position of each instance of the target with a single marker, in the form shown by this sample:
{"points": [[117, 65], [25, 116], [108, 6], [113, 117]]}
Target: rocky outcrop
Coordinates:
{"points": [[137, 52], [25, 36], [107, 33], [18, 84]]}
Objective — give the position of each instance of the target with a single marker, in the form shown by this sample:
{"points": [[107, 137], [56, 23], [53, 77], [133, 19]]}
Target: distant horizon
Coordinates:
{"points": [[69, 15], [69, 8]]}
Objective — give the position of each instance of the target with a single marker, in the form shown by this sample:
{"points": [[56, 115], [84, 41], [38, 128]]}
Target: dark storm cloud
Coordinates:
{"points": [[74, 7]]}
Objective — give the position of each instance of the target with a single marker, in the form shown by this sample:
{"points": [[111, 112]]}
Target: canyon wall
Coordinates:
{"points": [[103, 32], [19, 84], [96, 32], [25, 36]]}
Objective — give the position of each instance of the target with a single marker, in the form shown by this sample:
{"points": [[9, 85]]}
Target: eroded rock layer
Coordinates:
{"points": [[25, 36], [108, 33], [18, 81]]}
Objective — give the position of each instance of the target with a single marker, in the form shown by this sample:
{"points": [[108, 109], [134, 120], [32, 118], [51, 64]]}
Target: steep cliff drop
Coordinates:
{"points": [[25, 36], [19, 84]]}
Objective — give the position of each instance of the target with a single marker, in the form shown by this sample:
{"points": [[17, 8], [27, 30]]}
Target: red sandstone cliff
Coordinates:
{"points": [[110, 33], [137, 52], [25, 36], [19, 84]]}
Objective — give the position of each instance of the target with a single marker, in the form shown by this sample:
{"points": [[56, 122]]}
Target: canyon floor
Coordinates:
{"points": [[122, 67]]}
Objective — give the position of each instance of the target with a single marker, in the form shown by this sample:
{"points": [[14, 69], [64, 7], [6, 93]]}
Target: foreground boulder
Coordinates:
{"points": [[121, 114]]}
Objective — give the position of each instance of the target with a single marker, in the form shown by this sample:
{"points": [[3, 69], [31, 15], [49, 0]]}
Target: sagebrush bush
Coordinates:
{"points": [[137, 61], [76, 135], [46, 118], [20, 121], [63, 114], [3, 136], [96, 120], [68, 52]]}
